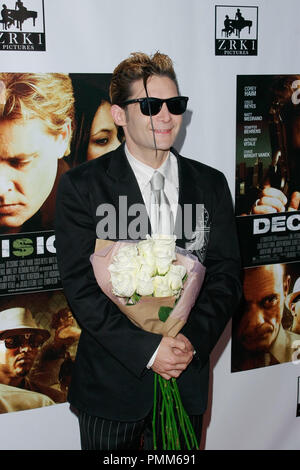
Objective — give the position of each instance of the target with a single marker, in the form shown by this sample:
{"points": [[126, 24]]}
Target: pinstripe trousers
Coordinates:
{"points": [[101, 434]]}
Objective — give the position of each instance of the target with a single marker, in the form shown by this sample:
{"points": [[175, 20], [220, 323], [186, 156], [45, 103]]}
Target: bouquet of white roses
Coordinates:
{"points": [[155, 284], [146, 268]]}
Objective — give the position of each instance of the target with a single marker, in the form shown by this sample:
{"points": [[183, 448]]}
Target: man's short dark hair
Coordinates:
{"points": [[138, 66]]}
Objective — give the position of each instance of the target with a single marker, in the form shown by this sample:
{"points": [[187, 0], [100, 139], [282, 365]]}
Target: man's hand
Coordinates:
{"points": [[188, 344], [273, 200], [173, 357]]}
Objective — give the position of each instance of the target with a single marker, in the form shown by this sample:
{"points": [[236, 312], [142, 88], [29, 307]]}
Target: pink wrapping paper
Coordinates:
{"points": [[144, 314]]}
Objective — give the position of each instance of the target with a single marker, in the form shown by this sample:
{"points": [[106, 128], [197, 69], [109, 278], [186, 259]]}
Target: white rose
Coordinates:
{"points": [[161, 287], [164, 245], [123, 283], [145, 272], [163, 264], [178, 269], [144, 281], [129, 249], [127, 257], [175, 281], [150, 263], [147, 258], [145, 247]]}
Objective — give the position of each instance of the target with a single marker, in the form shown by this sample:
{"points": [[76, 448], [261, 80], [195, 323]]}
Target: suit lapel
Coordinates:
{"points": [[127, 197], [121, 173], [188, 194]]}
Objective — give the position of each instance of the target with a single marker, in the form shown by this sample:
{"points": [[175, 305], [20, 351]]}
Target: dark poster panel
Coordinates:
{"points": [[267, 143], [265, 329], [49, 123]]}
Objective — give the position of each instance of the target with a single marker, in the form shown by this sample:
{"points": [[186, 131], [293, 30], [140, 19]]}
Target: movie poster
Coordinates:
{"points": [[266, 329], [49, 123]]}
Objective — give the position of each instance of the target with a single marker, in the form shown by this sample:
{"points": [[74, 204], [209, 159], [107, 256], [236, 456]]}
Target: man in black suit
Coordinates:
{"points": [[112, 381]]}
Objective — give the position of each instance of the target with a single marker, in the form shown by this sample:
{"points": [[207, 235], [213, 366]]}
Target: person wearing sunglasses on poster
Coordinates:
{"points": [[20, 341], [112, 380]]}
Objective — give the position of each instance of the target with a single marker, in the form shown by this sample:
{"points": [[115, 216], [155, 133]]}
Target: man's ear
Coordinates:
{"points": [[65, 138], [118, 115], [292, 309]]}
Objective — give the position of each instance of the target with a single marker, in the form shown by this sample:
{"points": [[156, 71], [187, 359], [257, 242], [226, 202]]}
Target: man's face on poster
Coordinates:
{"points": [[18, 355], [28, 165], [265, 289]]}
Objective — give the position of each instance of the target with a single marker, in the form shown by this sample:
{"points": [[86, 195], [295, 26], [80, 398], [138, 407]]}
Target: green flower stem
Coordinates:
{"points": [[168, 407], [181, 418], [171, 416], [162, 425], [175, 431], [191, 431], [175, 428], [171, 425], [165, 417], [186, 417], [180, 414], [177, 403]]}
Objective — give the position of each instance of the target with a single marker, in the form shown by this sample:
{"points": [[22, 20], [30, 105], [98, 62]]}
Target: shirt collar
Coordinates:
{"points": [[145, 172]]}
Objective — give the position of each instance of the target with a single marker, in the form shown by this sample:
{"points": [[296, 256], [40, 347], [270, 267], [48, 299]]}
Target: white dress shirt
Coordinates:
{"points": [[143, 174]]}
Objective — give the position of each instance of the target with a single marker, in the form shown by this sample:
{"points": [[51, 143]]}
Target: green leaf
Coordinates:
{"points": [[164, 312], [133, 299]]}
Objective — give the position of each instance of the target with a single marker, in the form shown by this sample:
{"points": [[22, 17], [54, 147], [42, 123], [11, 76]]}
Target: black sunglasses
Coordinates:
{"points": [[176, 105], [17, 341]]}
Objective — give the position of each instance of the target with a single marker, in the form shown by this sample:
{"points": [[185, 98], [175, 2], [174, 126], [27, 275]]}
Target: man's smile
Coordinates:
{"points": [[162, 131]]}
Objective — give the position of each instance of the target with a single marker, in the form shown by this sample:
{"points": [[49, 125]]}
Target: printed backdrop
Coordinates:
{"points": [[266, 330], [238, 65]]}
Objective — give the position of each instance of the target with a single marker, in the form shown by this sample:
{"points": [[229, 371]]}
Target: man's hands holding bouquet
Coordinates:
{"points": [[173, 356]]}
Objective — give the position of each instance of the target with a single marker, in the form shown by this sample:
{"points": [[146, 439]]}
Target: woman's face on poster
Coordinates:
{"points": [[103, 136]]}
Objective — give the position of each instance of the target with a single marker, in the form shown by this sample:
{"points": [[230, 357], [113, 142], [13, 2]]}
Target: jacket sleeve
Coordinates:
{"points": [[75, 241], [221, 290]]}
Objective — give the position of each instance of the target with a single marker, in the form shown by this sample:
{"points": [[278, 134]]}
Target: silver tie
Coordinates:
{"points": [[161, 214]]}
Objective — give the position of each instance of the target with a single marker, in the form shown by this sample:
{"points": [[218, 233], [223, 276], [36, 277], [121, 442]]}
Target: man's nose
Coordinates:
{"points": [[254, 317], [25, 347], [259, 318], [6, 183], [164, 114]]}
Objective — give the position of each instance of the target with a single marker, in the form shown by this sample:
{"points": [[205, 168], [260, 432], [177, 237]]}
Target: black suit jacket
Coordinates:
{"points": [[110, 378]]}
